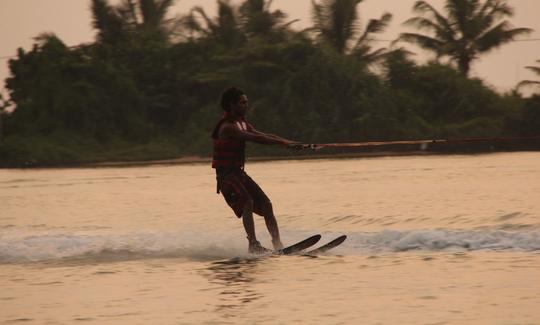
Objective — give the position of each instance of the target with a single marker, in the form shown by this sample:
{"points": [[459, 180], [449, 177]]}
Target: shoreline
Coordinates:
{"points": [[196, 160], [480, 146], [199, 160]]}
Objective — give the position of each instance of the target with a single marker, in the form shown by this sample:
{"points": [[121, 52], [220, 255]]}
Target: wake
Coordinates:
{"points": [[20, 247]]}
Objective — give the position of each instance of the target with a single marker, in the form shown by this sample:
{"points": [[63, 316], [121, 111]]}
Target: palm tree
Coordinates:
{"points": [[469, 29], [107, 22], [4, 105], [225, 28], [115, 23], [364, 49], [235, 24], [257, 19], [336, 23], [526, 83]]}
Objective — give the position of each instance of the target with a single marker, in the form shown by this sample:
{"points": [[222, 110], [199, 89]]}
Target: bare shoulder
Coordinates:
{"points": [[228, 128]]}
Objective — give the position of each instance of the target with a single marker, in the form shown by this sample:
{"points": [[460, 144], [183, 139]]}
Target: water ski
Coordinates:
{"points": [[328, 246], [301, 245]]}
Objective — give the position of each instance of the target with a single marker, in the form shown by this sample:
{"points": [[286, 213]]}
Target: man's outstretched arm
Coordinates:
{"points": [[277, 137], [233, 132]]}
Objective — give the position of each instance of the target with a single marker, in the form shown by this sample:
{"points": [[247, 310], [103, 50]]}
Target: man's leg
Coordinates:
{"points": [[271, 224], [261, 205], [249, 226], [247, 220]]}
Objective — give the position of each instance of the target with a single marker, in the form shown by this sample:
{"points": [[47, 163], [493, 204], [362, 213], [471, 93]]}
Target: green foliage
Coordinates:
{"points": [[531, 83], [67, 149], [449, 96], [531, 116], [336, 25], [56, 88], [136, 94], [132, 18], [468, 29]]}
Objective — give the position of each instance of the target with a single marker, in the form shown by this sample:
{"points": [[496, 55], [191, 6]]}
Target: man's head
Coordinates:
{"points": [[234, 100]]}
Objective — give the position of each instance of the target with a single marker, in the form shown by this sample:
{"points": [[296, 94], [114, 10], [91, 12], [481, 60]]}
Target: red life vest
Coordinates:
{"points": [[229, 153]]}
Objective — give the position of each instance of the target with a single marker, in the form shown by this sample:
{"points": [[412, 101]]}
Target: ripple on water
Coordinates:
{"points": [[19, 320], [83, 319]]}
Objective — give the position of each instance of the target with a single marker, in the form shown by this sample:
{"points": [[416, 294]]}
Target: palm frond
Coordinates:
{"points": [[46, 37], [128, 11], [225, 28], [422, 7], [469, 28], [425, 42], [226, 15], [435, 22], [258, 20], [439, 31], [536, 70], [153, 12], [106, 21], [528, 83], [460, 13], [379, 25], [374, 26], [335, 22], [149, 12], [318, 15], [498, 9], [499, 35], [190, 23], [422, 23], [289, 23], [210, 25], [374, 56], [492, 11]]}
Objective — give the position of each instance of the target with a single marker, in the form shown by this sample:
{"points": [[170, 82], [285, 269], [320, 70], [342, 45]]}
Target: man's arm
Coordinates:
{"points": [[231, 131], [253, 130]]}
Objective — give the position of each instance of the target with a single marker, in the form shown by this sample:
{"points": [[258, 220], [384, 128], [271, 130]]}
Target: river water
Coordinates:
{"points": [[431, 240]]}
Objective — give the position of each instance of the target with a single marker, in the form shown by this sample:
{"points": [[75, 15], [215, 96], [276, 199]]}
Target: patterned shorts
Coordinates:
{"points": [[237, 188]]}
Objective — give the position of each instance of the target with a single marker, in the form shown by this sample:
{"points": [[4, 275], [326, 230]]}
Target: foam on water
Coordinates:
{"points": [[437, 240], [25, 247], [15, 248]]}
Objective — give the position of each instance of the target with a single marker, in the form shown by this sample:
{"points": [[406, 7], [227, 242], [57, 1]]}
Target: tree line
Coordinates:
{"points": [[148, 86]]}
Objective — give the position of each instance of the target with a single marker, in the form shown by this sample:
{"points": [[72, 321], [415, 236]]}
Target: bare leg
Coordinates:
{"points": [[273, 229], [247, 220]]}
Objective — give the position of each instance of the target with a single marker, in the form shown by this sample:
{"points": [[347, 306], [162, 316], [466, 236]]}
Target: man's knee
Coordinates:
{"points": [[248, 204], [267, 209]]}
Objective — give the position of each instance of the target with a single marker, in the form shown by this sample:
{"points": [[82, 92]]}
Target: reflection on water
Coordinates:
{"points": [[235, 278]]}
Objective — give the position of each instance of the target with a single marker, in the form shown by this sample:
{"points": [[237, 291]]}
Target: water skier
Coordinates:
{"points": [[241, 192]]}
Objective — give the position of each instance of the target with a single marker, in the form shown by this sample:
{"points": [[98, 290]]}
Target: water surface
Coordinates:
{"points": [[432, 240]]}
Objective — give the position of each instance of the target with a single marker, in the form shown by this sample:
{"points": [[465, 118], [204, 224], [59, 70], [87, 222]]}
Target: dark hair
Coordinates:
{"points": [[229, 96]]}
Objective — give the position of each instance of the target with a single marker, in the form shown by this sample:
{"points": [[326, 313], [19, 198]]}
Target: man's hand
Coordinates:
{"points": [[295, 146], [300, 146]]}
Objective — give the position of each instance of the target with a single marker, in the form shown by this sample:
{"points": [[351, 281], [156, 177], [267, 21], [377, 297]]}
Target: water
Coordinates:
{"points": [[432, 240]]}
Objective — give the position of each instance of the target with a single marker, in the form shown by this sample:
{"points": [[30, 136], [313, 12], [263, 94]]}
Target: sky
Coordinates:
{"points": [[70, 20]]}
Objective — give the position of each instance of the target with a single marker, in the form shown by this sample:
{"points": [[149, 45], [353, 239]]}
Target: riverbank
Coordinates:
{"points": [[208, 160], [135, 156], [465, 146]]}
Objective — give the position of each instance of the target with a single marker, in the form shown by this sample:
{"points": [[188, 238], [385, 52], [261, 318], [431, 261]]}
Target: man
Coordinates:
{"points": [[241, 193]]}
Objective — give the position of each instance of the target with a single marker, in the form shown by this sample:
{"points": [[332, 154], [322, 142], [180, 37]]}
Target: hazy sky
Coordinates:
{"points": [[21, 20]]}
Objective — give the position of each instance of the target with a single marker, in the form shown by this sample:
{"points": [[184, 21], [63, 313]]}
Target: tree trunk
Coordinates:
{"points": [[1, 129], [464, 65]]}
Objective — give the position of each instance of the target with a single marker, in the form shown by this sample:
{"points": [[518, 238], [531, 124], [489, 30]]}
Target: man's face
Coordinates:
{"points": [[240, 108]]}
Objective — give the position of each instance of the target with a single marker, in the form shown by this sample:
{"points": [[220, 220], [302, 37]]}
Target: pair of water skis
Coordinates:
{"points": [[301, 246]]}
